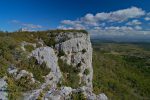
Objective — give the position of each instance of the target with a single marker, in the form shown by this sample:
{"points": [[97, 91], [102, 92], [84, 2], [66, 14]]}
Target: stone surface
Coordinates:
{"points": [[47, 55], [24, 43], [102, 96], [17, 74], [3, 89], [77, 50], [65, 91]]}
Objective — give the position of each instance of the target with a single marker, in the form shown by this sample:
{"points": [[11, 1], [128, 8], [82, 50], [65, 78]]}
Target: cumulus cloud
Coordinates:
{"points": [[147, 18], [26, 25], [99, 19], [134, 22], [138, 27], [121, 22], [120, 15], [118, 28], [71, 25]]}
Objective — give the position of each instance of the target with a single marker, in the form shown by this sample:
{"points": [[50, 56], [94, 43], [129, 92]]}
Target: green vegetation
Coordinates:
{"points": [[66, 31], [122, 71], [83, 51], [70, 74], [78, 96], [29, 48], [86, 72], [32, 65], [61, 53], [11, 53], [14, 91], [7, 47]]}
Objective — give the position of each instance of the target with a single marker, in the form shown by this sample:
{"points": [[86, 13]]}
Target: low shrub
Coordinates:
{"points": [[78, 96], [70, 74], [83, 51], [38, 70], [86, 72], [29, 48], [61, 53]]}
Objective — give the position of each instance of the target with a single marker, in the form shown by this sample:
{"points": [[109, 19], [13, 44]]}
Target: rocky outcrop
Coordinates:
{"points": [[73, 48], [47, 55], [3, 89], [78, 52], [18, 74]]}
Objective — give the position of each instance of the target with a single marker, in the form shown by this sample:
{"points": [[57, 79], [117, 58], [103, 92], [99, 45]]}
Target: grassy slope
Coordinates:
{"points": [[122, 71]]}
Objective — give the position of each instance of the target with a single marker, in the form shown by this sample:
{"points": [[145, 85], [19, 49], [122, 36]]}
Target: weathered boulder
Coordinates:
{"points": [[47, 55], [102, 96], [18, 74]]}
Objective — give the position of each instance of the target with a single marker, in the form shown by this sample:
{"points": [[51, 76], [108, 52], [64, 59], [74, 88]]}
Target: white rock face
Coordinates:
{"points": [[65, 91], [3, 90], [47, 55], [23, 44], [102, 96], [78, 50], [17, 74]]}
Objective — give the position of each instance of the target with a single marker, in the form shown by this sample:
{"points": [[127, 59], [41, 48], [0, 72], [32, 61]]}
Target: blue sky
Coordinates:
{"points": [[68, 14]]}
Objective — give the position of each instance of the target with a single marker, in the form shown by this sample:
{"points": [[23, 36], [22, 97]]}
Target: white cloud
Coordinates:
{"points": [[110, 23], [125, 14], [138, 27], [26, 25], [134, 22], [68, 24], [120, 15], [118, 28], [100, 19], [147, 18]]}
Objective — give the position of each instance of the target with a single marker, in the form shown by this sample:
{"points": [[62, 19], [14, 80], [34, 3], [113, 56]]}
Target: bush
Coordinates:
{"points": [[78, 96], [14, 91], [61, 53], [86, 72], [25, 83], [70, 74], [33, 66], [49, 41], [83, 51], [29, 48]]}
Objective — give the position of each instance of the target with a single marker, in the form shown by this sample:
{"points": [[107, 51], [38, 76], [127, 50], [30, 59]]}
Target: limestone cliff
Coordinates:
{"points": [[70, 62]]}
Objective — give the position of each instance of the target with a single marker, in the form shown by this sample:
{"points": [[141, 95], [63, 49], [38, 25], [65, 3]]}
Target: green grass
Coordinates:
{"points": [[29, 48], [123, 75]]}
